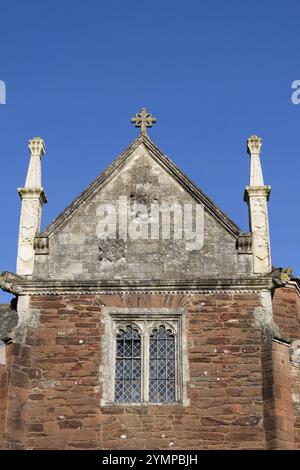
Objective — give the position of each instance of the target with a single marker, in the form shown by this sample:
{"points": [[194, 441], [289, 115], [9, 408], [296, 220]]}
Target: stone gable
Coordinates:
{"points": [[77, 252]]}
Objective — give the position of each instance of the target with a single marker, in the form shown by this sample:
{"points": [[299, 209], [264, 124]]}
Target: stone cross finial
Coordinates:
{"points": [[143, 119], [37, 147], [254, 144]]}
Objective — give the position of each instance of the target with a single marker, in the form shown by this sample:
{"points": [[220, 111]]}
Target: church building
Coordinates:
{"points": [[144, 318]]}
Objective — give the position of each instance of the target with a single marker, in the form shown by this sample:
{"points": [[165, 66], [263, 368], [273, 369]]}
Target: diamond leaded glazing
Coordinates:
{"points": [[128, 366], [162, 366]]}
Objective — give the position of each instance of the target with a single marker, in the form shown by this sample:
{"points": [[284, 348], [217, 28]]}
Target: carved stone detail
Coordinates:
{"points": [[254, 144], [9, 282], [29, 225], [260, 233], [37, 147], [41, 245], [282, 276], [112, 250], [143, 119], [244, 243]]}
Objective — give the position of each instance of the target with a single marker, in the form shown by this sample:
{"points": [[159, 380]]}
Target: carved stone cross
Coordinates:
{"points": [[143, 119]]}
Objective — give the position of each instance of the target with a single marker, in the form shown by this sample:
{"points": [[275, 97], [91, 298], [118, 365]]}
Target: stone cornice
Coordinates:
{"points": [[294, 284], [39, 287], [33, 193], [257, 191]]}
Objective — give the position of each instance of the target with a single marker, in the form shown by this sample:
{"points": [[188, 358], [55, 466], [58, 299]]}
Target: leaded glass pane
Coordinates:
{"points": [[127, 391], [161, 390], [153, 349], [153, 368], [119, 369], [162, 366], [128, 366], [170, 391], [170, 346], [136, 348], [136, 390], [161, 369], [127, 369], [152, 389], [127, 348], [136, 369], [119, 348], [118, 389]]}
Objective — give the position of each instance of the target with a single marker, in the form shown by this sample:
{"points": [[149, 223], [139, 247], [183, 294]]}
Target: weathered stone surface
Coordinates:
{"points": [[8, 320], [75, 251]]}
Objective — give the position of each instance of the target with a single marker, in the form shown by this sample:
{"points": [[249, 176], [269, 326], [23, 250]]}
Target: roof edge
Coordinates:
{"points": [[116, 163]]}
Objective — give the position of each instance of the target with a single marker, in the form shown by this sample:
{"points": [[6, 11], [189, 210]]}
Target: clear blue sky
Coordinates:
{"points": [[212, 72]]}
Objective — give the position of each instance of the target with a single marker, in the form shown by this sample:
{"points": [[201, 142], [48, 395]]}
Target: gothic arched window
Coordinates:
{"points": [[128, 366], [144, 356], [162, 366]]}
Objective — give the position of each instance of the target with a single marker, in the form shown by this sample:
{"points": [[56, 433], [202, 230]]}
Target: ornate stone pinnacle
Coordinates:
{"points": [[37, 147], [143, 119], [254, 144]]}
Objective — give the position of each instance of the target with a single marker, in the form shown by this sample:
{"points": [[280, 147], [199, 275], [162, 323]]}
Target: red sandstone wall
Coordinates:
{"points": [[283, 405], [286, 307], [295, 385], [62, 376], [3, 402], [286, 310], [15, 393]]}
